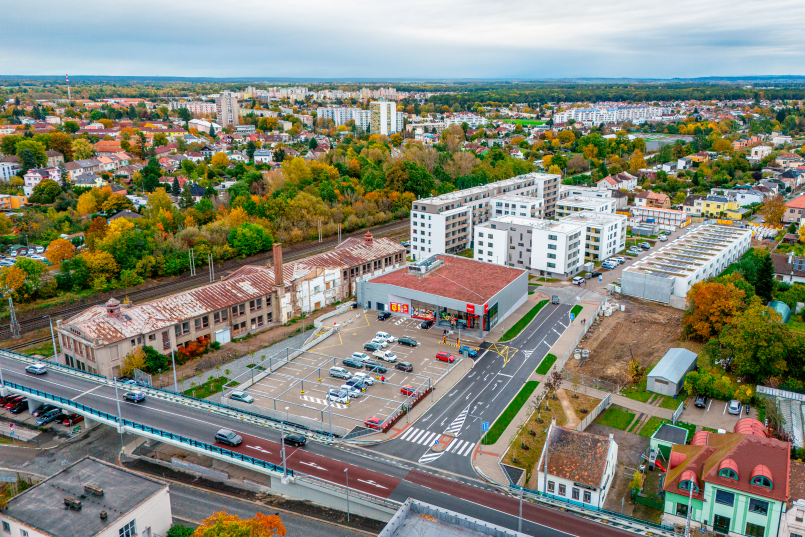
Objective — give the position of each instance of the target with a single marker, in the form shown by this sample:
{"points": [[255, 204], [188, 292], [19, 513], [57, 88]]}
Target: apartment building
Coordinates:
{"points": [[594, 116], [515, 205], [226, 108], [621, 199], [8, 170], [794, 210], [577, 204], [761, 151], [443, 224], [667, 274], [669, 219], [194, 107], [472, 120], [545, 247], [605, 233], [343, 115], [383, 117]]}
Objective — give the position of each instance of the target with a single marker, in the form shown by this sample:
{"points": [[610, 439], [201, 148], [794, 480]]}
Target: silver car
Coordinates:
{"points": [[734, 407], [243, 397]]}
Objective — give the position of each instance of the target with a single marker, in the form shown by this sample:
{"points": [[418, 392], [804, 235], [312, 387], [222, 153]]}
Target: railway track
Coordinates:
{"points": [[185, 282]]}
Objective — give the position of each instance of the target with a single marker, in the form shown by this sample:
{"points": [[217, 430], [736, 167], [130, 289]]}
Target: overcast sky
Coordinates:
{"points": [[414, 39]]}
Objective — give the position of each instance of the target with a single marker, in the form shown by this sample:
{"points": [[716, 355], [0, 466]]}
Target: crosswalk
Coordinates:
{"points": [[321, 401], [427, 438], [458, 423]]}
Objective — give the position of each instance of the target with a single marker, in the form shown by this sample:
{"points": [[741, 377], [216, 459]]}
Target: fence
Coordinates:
{"points": [[774, 392], [678, 412], [585, 327], [654, 501], [603, 405], [574, 377]]}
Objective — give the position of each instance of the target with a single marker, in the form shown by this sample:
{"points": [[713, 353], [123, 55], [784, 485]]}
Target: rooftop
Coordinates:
{"points": [[589, 217], [459, 278], [671, 433], [576, 455], [585, 201], [674, 365], [420, 519], [42, 506], [459, 195], [536, 223]]}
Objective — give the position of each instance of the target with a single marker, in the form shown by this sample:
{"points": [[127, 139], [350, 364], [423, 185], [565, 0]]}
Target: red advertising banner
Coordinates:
{"points": [[486, 308], [470, 308], [400, 308]]}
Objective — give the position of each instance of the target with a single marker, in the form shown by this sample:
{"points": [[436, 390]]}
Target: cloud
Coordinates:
{"points": [[418, 39]]}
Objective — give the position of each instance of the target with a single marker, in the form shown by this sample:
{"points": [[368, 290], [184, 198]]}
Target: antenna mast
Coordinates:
{"points": [[67, 78]]}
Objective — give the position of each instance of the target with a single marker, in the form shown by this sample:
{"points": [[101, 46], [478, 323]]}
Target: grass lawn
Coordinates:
{"points": [[545, 279], [211, 387], [576, 310], [672, 404], [689, 426], [525, 121], [796, 325], [531, 292], [637, 392], [545, 364], [43, 349], [511, 411], [466, 253], [615, 417], [522, 323], [651, 426]]}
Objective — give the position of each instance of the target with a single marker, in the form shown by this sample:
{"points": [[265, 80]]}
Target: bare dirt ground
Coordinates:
{"points": [[644, 331]]}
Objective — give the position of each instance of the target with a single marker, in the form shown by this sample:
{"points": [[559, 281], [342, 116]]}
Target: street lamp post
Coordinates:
{"points": [[346, 471], [52, 337], [175, 384], [119, 415], [284, 467]]}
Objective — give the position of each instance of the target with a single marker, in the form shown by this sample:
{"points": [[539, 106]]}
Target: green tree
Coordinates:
{"points": [[45, 192], [176, 189], [764, 287], [312, 144], [29, 148], [212, 131], [249, 239], [758, 341], [62, 143], [251, 147]]}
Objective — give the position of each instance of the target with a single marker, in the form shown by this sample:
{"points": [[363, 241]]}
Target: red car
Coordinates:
{"points": [[72, 419], [373, 422], [13, 401], [445, 357], [407, 390]]}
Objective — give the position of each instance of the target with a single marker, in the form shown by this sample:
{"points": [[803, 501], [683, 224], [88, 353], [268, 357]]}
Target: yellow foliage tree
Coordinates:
{"points": [[86, 204], [118, 227], [222, 524], [158, 200], [555, 170], [59, 250], [546, 161], [237, 216], [101, 264], [133, 360], [12, 280], [637, 162], [219, 159]]}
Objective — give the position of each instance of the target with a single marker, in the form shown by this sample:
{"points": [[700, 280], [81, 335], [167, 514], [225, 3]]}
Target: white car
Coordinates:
{"points": [[365, 377], [37, 257], [338, 396], [243, 397], [578, 280], [386, 336], [360, 356], [382, 343], [386, 356], [351, 390]]}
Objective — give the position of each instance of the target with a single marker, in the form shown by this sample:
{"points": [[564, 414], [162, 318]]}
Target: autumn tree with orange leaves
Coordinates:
{"points": [[222, 524], [712, 305]]}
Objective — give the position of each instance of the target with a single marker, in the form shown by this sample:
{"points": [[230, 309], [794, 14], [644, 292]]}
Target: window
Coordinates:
{"points": [[575, 493], [152, 337], [762, 481], [129, 530], [755, 530], [587, 496], [238, 310], [202, 322], [551, 237], [551, 265], [23, 533], [6, 527], [551, 486], [551, 247], [758, 506], [551, 256], [685, 485], [562, 490], [725, 498], [216, 317], [681, 510], [258, 304], [728, 473]]}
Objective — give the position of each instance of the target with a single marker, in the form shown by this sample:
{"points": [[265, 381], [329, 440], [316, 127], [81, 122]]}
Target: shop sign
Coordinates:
{"points": [[400, 308], [486, 307], [470, 308]]}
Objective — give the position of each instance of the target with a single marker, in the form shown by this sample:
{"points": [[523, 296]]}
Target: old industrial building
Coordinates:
{"points": [[251, 299]]}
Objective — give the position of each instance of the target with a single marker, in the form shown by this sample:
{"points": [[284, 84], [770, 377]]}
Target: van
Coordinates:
{"points": [[662, 238], [40, 249]]}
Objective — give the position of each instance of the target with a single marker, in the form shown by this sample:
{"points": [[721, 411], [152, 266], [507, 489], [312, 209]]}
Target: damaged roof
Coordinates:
{"points": [[577, 456]]}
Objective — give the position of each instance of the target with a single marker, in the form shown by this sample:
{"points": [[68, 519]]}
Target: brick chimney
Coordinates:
{"points": [[113, 308], [368, 239], [277, 254]]}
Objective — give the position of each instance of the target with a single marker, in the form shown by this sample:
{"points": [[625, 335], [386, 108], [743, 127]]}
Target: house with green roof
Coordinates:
{"points": [[733, 483]]}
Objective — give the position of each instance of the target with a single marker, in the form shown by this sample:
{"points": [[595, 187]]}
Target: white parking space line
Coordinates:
{"points": [[708, 405], [725, 409]]}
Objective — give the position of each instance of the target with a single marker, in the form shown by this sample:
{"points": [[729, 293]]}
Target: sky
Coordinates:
{"points": [[415, 39]]}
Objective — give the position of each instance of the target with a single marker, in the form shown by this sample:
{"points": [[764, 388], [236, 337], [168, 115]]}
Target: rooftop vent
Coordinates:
{"points": [[94, 490], [103, 515], [72, 503]]}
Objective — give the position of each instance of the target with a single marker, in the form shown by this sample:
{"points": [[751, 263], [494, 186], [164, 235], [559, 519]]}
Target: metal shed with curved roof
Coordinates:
{"points": [[668, 376]]}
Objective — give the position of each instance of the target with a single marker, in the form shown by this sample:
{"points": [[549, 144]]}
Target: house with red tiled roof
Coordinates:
{"points": [[794, 210], [104, 148], [732, 483], [577, 467], [647, 198]]}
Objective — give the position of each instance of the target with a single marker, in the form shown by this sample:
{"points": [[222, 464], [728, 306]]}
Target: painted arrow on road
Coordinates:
{"points": [[316, 466], [371, 482], [258, 448]]}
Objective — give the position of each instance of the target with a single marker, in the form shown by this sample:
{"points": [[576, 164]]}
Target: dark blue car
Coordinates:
{"points": [[470, 352], [135, 397]]}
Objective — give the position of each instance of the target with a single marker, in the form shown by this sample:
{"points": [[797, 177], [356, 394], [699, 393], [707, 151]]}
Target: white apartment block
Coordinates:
{"points": [[761, 151], [194, 107], [667, 274], [7, 170], [384, 117], [443, 224], [545, 247], [226, 108], [577, 204], [618, 114], [567, 191], [343, 115], [515, 205], [472, 120], [669, 219], [605, 234]]}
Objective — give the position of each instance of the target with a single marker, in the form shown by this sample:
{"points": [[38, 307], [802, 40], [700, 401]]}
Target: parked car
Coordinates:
{"points": [[619, 259], [295, 439], [407, 390], [383, 315], [380, 342], [7, 398], [555, 299], [135, 397], [578, 280], [426, 324], [363, 357], [445, 357], [353, 362], [49, 416], [662, 238], [386, 356], [366, 377], [13, 400], [385, 336], [375, 367], [352, 391], [472, 353], [72, 419], [338, 396], [371, 347], [701, 401], [243, 397], [44, 409], [225, 436], [19, 406], [645, 245], [635, 250], [357, 383], [596, 274], [734, 407], [340, 373], [404, 366], [587, 275], [373, 422], [407, 341], [37, 369]]}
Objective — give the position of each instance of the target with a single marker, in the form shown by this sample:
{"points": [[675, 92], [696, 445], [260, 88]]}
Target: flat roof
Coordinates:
{"points": [[585, 200], [458, 278], [592, 217], [42, 506], [537, 223], [420, 519], [518, 198], [671, 433]]}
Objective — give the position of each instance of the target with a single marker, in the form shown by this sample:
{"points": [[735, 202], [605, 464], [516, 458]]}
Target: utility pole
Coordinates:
{"points": [[13, 324], [69, 97], [119, 415], [192, 259], [210, 260], [175, 384], [690, 509], [346, 471], [52, 337]]}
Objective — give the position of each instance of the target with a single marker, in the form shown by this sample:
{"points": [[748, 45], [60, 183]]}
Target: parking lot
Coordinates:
{"points": [[714, 415], [302, 384]]}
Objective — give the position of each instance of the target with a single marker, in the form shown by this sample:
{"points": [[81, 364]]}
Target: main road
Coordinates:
{"points": [[326, 462]]}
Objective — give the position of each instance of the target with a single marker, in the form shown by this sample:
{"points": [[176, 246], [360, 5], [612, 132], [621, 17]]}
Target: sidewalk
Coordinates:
{"points": [[485, 458]]}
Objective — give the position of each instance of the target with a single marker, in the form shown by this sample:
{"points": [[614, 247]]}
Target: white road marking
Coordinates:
{"points": [[88, 391], [258, 448], [314, 465], [371, 482]]}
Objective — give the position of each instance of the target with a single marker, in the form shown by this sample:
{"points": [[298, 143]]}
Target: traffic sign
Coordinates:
{"points": [[484, 425], [572, 316], [436, 443], [11, 425]]}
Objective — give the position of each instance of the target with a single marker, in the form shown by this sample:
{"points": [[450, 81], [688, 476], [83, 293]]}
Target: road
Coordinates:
{"points": [[481, 396], [365, 474]]}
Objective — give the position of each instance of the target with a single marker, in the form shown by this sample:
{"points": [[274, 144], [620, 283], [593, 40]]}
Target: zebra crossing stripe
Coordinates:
{"points": [[427, 439], [429, 457], [415, 437], [458, 423], [408, 433], [453, 445]]}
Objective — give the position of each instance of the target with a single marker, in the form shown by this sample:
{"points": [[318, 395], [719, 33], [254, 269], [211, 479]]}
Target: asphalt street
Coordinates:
{"points": [[498, 374], [365, 474]]}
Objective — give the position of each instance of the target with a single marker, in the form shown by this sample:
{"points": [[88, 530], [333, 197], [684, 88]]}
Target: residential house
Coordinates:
{"points": [[789, 268], [55, 159], [793, 523], [105, 148], [689, 206], [794, 210], [9, 165], [34, 177], [11, 203], [194, 156], [715, 205], [89, 179], [577, 467], [197, 191], [620, 181], [263, 156], [124, 214], [667, 219], [647, 198], [733, 483], [760, 152]]}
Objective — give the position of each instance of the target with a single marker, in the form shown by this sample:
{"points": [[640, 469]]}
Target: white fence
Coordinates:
{"points": [[603, 405]]}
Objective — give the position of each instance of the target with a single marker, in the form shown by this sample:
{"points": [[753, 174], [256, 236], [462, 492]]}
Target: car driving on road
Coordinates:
{"points": [[295, 439], [231, 438], [37, 369], [555, 299], [134, 397]]}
